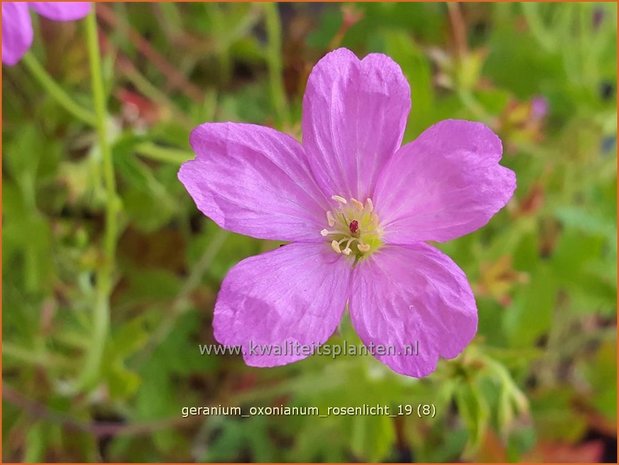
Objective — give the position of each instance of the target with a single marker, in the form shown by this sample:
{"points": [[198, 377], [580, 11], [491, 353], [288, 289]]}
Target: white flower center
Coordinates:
{"points": [[354, 229]]}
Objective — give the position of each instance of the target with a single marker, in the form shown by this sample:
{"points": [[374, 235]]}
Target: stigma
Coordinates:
{"points": [[354, 229]]}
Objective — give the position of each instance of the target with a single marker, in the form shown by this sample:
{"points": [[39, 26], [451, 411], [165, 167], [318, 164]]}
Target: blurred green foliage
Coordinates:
{"points": [[539, 381]]}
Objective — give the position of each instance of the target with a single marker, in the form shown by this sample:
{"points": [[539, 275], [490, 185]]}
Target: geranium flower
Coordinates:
{"points": [[17, 25], [357, 209]]}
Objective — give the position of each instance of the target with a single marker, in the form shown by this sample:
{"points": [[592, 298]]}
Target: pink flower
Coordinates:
{"points": [[17, 26], [357, 209]]}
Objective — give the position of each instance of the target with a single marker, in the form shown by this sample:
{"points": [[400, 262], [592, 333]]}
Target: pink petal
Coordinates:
{"points": [[16, 32], [292, 295], [446, 183], [408, 295], [354, 115], [255, 181], [61, 11]]}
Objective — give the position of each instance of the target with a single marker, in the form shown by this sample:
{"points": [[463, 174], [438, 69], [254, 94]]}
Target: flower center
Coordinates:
{"points": [[354, 229]]}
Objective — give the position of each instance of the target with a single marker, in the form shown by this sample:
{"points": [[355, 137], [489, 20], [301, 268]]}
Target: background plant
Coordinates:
{"points": [[110, 274]]}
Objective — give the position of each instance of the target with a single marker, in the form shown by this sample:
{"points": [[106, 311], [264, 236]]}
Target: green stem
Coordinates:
{"points": [[152, 92], [179, 305], [30, 356], [220, 29], [473, 105], [57, 92], [274, 62], [537, 27], [163, 154], [106, 271]]}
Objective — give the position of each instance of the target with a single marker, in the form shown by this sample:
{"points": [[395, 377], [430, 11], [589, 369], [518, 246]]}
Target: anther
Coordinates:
{"points": [[357, 204], [353, 228], [330, 219], [335, 245], [363, 247], [347, 250]]}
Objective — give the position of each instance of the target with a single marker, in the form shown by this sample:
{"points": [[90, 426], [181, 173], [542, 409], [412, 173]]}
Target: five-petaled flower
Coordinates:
{"points": [[357, 209], [17, 25]]}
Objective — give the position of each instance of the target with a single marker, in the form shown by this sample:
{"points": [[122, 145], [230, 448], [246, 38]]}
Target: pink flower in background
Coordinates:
{"points": [[357, 209], [17, 25]]}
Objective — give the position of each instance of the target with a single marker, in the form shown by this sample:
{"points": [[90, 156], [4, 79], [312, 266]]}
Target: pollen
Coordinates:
{"points": [[353, 227]]}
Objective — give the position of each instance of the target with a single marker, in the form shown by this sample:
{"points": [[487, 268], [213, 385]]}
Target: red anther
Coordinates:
{"points": [[354, 226]]}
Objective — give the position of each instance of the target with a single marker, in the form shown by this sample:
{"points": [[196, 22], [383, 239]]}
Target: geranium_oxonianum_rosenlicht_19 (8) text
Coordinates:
{"points": [[17, 24], [356, 209]]}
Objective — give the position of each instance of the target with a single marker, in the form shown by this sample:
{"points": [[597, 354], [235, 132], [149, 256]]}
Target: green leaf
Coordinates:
{"points": [[601, 373], [475, 414], [531, 313], [372, 437], [35, 444], [416, 67]]}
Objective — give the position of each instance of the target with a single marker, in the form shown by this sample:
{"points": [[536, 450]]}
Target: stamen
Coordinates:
{"points": [[335, 245], [357, 204], [330, 219], [348, 250], [352, 222], [363, 247], [339, 198]]}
